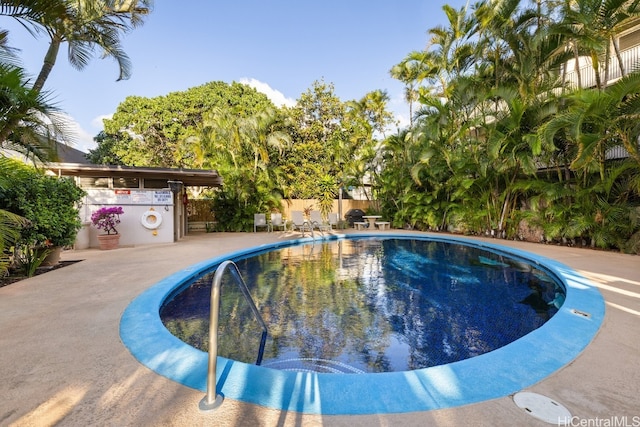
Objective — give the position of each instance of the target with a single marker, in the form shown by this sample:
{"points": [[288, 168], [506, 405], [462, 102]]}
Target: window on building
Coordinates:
{"points": [[629, 40], [126, 182], [155, 183], [94, 182]]}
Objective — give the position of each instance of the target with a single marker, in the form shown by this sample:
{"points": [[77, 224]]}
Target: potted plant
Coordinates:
{"points": [[307, 211], [106, 219]]}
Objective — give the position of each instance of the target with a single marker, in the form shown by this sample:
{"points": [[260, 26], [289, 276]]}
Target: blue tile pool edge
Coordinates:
{"points": [[499, 373]]}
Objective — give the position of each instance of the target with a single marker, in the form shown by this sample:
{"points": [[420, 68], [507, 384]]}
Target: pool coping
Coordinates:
{"points": [[499, 373]]}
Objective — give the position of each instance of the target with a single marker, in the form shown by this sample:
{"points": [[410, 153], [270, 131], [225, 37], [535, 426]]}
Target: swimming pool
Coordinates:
{"points": [[369, 305], [491, 375]]}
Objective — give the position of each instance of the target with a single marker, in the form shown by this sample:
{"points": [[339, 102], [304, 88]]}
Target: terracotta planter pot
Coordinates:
{"points": [[109, 241], [53, 258]]}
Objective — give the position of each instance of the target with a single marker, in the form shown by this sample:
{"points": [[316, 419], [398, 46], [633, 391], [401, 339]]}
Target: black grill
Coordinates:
{"points": [[354, 215]]}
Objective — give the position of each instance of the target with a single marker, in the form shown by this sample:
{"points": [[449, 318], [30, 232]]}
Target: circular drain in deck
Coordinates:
{"points": [[542, 407]]}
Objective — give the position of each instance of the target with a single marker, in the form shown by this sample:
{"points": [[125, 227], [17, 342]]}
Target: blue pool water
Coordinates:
{"points": [[498, 373], [370, 305]]}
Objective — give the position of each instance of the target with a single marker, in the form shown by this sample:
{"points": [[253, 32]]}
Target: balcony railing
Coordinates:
{"points": [[630, 61]]}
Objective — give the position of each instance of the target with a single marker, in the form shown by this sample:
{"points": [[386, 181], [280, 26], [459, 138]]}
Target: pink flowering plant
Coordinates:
{"points": [[107, 218]]}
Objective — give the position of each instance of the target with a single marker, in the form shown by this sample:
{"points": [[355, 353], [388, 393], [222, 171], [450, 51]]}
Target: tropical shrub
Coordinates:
{"points": [[10, 224], [50, 205]]}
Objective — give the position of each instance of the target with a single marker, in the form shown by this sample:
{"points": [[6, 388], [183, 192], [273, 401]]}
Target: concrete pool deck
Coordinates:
{"points": [[63, 362]]}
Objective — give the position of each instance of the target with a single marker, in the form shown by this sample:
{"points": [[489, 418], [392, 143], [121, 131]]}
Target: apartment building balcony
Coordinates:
{"points": [[630, 61]]}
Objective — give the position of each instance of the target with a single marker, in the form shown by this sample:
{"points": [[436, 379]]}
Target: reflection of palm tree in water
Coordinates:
{"points": [[536, 301]]}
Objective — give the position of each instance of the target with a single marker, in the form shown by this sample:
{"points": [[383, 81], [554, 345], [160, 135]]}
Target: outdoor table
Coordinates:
{"points": [[372, 220]]}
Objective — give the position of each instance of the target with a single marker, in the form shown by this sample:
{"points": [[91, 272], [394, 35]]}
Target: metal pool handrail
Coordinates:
{"points": [[314, 224], [212, 400]]}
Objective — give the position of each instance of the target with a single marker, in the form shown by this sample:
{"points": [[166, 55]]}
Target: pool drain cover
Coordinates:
{"points": [[542, 407]]}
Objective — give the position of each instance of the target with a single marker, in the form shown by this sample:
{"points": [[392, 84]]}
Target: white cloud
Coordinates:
{"points": [[274, 95], [403, 121], [97, 121], [400, 110], [80, 139]]}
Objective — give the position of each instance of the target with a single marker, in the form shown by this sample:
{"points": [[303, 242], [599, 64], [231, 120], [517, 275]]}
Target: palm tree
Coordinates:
{"points": [[451, 46], [598, 204], [40, 121], [90, 25], [216, 141], [597, 121], [262, 134], [591, 28], [407, 72], [245, 150], [85, 26], [30, 11], [491, 118], [359, 150], [442, 144], [449, 52]]}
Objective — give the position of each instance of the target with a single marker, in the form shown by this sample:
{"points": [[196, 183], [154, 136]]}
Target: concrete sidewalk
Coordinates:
{"points": [[62, 361]]}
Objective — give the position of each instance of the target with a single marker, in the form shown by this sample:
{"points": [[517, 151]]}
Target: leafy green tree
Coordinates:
{"points": [[103, 154], [331, 138], [156, 131], [326, 194], [316, 129]]}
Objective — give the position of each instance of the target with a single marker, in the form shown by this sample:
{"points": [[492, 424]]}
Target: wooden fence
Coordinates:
{"points": [[199, 210], [301, 205]]}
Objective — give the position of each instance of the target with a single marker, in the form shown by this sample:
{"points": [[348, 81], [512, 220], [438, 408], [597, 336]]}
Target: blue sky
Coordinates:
{"points": [[280, 47]]}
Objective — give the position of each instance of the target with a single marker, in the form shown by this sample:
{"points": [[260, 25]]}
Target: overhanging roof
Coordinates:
{"points": [[189, 177]]}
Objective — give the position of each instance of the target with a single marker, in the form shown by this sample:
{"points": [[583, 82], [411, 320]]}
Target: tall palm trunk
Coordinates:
{"points": [[616, 49], [576, 55], [606, 67], [595, 65], [506, 205], [48, 63]]}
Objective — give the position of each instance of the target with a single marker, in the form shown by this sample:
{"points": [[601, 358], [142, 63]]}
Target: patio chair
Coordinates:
{"points": [[276, 222], [334, 220], [298, 222], [260, 220], [315, 218]]}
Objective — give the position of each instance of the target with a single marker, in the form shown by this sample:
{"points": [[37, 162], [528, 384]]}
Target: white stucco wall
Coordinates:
{"points": [[134, 204]]}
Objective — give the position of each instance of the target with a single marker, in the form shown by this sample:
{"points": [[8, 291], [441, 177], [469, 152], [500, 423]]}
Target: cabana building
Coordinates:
{"points": [[154, 200]]}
